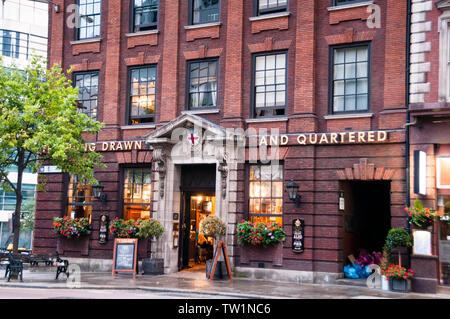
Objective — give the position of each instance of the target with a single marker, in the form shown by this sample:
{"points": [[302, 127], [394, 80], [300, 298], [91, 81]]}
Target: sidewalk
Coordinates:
{"points": [[197, 285]]}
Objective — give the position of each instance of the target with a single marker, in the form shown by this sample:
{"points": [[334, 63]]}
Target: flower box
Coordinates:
{"points": [[270, 254], [398, 285], [78, 245]]}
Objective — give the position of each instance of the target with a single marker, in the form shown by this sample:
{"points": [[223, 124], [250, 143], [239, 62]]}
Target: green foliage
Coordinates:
{"points": [[212, 226], [386, 260], [71, 228], [418, 204], [39, 120], [124, 228], [150, 228], [259, 234], [398, 237], [28, 209], [419, 215]]}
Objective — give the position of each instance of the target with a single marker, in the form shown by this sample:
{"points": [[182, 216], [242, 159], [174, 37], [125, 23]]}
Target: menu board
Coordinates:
{"points": [[298, 235], [125, 255]]}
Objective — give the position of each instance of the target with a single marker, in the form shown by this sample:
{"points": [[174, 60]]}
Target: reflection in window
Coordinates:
{"points": [[137, 193], [142, 95], [351, 79], [87, 84], [79, 198], [266, 193], [145, 15], [205, 11], [203, 84], [271, 6]]}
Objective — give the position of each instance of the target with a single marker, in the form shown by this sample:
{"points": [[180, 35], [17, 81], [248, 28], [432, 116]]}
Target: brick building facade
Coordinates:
{"points": [[326, 78], [430, 133]]}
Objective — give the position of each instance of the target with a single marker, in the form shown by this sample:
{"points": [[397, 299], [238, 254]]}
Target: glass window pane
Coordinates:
{"points": [[350, 55], [260, 63]]}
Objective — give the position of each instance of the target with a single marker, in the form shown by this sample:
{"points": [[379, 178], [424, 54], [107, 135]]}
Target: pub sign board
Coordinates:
{"points": [[298, 235], [125, 255]]}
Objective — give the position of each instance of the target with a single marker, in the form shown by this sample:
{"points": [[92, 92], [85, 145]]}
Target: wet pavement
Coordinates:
{"points": [[196, 285]]}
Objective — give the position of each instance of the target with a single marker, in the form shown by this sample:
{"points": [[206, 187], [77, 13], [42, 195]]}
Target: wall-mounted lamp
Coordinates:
{"points": [[56, 7], [97, 190], [292, 189]]}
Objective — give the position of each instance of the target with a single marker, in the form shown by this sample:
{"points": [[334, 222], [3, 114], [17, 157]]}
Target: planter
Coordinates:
{"points": [[81, 245], [220, 272], [270, 254], [385, 284], [153, 266], [398, 285]]}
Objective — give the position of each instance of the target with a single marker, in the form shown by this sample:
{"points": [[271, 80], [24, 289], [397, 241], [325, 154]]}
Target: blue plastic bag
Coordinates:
{"points": [[350, 272]]}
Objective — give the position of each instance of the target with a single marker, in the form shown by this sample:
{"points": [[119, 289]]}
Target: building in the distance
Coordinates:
{"points": [[326, 79], [23, 32], [430, 133]]}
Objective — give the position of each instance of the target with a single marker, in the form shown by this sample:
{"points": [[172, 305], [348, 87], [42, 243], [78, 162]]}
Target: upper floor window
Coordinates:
{"points": [[137, 191], [266, 193], [87, 84], [89, 19], [142, 95], [270, 84], [10, 43], [204, 11], [350, 79], [343, 2], [271, 6], [145, 15], [202, 84]]}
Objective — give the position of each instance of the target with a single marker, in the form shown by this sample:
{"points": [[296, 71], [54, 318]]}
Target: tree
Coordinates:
{"points": [[39, 123]]}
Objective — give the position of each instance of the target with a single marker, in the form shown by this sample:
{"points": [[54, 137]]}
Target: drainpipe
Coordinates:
{"points": [[408, 118]]}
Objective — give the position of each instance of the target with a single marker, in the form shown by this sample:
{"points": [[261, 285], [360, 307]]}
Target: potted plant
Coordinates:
{"points": [[260, 241], [151, 228], [419, 215], [398, 238], [386, 260], [398, 277], [213, 226]]}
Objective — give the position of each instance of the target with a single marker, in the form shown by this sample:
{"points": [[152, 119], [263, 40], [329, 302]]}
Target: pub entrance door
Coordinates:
{"points": [[367, 216], [197, 202]]}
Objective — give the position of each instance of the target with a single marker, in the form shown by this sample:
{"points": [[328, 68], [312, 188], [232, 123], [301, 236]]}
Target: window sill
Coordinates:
{"points": [[137, 127], [209, 111], [203, 25], [347, 116], [266, 120], [270, 16], [350, 6], [140, 33], [85, 41]]}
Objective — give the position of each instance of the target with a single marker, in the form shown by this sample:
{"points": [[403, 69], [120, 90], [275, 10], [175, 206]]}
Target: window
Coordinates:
{"points": [[137, 193], [204, 11], [202, 84], [10, 43], [266, 193], [8, 198], [343, 2], [79, 198], [87, 84], [270, 82], [271, 6], [145, 15], [142, 95], [350, 79], [89, 19]]}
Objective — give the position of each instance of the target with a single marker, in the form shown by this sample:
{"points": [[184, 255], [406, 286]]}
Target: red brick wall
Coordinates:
{"points": [[306, 34]]}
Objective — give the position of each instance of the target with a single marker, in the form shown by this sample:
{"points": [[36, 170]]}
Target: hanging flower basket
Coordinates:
{"points": [[420, 216]]}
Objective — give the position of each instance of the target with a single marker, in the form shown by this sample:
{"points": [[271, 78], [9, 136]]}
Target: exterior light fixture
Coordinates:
{"points": [[292, 189], [97, 190]]}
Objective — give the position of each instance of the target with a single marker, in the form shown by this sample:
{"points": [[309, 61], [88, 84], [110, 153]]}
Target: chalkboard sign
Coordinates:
{"points": [[298, 235], [221, 246], [125, 255]]}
